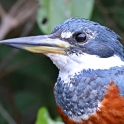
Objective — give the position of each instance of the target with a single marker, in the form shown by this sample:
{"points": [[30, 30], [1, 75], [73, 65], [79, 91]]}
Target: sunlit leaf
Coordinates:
{"points": [[43, 117]]}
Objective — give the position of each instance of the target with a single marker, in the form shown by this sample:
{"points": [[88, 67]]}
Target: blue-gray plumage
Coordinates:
{"points": [[90, 57], [85, 89]]}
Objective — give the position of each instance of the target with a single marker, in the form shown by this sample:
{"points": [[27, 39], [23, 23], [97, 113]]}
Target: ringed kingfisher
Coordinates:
{"points": [[90, 59]]}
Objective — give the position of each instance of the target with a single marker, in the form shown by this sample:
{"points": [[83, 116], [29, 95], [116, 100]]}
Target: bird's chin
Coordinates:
{"points": [[60, 60]]}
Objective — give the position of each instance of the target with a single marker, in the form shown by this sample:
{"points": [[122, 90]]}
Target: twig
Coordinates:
{"points": [[16, 6], [2, 12], [7, 23], [28, 27], [19, 14], [6, 115]]}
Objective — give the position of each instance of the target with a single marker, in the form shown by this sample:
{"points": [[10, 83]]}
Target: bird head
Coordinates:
{"points": [[78, 43]]}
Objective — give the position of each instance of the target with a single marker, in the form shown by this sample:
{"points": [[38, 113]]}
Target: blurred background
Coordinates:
{"points": [[27, 79]]}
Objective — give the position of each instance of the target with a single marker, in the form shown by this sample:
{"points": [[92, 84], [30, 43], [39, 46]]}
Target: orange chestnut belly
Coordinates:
{"points": [[110, 112]]}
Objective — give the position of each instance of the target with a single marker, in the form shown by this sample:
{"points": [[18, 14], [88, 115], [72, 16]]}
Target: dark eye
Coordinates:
{"points": [[80, 37]]}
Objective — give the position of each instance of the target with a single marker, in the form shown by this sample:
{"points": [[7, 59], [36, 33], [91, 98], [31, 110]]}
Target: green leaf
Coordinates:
{"points": [[44, 118], [53, 12]]}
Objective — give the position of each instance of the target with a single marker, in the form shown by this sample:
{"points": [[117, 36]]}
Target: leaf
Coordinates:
{"points": [[53, 12], [44, 118]]}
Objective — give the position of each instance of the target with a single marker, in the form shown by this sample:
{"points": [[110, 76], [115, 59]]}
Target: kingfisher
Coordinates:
{"points": [[90, 58]]}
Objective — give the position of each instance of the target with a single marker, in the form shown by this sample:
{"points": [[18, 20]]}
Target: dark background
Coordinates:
{"points": [[27, 79]]}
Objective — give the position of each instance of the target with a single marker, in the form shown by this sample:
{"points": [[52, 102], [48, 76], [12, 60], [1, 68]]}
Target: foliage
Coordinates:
{"points": [[44, 118]]}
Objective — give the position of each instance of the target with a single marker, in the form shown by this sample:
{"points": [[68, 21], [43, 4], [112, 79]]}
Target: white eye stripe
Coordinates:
{"points": [[66, 34]]}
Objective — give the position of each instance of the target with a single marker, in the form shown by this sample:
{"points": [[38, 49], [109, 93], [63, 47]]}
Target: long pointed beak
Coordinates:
{"points": [[39, 44]]}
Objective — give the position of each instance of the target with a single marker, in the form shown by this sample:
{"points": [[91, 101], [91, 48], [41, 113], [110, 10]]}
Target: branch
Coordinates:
{"points": [[18, 15], [28, 27], [7, 23], [6, 115], [2, 12]]}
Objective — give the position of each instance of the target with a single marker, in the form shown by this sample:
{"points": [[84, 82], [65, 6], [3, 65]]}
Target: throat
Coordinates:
{"points": [[73, 64]]}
